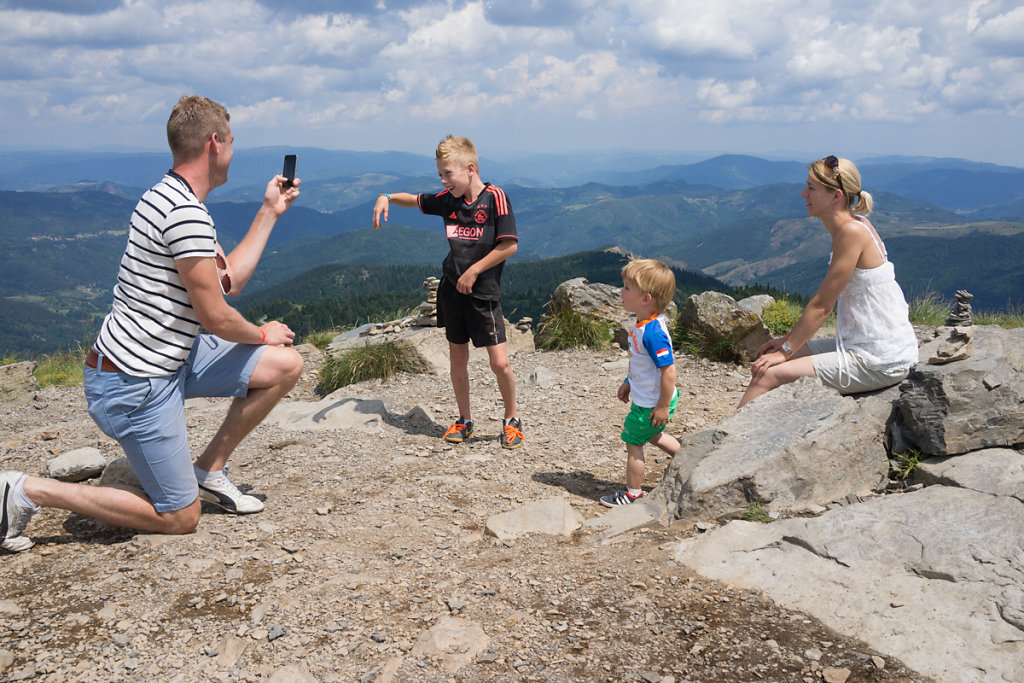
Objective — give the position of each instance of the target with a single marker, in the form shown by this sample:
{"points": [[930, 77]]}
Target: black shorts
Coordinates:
{"points": [[465, 318]]}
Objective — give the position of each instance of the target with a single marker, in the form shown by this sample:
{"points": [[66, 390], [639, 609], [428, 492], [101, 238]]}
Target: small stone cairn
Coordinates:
{"points": [[959, 331], [426, 315]]}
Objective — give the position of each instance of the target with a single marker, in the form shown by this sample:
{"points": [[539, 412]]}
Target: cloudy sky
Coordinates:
{"points": [[767, 77]]}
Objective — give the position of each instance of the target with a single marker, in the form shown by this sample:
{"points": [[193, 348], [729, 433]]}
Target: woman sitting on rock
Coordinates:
{"points": [[875, 345]]}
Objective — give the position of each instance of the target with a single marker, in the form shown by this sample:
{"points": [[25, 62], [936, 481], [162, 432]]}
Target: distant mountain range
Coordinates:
{"points": [[948, 223]]}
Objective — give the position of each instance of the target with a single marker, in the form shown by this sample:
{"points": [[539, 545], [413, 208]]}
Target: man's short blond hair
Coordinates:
{"points": [[458, 148], [193, 120], [651, 277]]}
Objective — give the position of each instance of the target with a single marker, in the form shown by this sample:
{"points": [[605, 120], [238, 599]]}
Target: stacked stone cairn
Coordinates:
{"points": [[426, 315], [959, 332]]}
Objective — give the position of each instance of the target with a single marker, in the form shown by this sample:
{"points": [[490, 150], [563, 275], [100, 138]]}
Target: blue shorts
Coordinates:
{"points": [[146, 415]]}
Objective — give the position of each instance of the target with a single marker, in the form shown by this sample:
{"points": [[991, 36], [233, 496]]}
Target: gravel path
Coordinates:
{"points": [[372, 539]]}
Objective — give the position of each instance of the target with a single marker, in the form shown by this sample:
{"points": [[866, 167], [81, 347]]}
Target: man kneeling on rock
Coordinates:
{"points": [[148, 357]]}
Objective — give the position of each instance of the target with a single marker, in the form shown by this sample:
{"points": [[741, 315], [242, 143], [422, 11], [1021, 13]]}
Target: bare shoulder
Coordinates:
{"points": [[853, 232]]}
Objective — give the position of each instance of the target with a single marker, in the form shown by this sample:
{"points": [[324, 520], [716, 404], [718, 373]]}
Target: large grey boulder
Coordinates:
{"points": [[595, 299], [935, 578], [18, 383], [800, 446], [717, 319], [966, 405], [589, 298], [757, 303]]}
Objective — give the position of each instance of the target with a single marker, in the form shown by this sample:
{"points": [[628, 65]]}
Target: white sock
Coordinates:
{"points": [[203, 475], [22, 500], [634, 492]]}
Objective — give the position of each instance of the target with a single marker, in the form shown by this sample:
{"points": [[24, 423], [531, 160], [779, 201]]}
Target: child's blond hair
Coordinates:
{"points": [[459, 148], [651, 277]]}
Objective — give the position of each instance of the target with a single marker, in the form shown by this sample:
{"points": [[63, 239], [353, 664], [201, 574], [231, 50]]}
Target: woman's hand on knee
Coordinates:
{"points": [[765, 362]]}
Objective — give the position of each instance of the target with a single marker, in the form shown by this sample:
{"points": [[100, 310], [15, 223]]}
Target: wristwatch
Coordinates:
{"points": [[786, 351]]}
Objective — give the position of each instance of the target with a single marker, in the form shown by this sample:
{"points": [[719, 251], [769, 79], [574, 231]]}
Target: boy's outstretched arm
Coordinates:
{"points": [[380, 207], [659, 414]]}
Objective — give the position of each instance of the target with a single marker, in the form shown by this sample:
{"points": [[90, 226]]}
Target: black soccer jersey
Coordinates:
{"points": [[473, 230]]}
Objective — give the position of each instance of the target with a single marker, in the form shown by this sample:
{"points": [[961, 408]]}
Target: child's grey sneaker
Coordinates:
{"points": [[13, 517], [511, 434], [459, 432], [620, 498], [222, 492]]}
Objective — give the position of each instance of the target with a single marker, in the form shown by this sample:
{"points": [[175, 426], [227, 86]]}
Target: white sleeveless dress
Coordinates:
{"points": [[872, 319]]}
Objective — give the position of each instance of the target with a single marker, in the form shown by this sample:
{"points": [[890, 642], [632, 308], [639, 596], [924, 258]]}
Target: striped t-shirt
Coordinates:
{"points": [[151, 326]]}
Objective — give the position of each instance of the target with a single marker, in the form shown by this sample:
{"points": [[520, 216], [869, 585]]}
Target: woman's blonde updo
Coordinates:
{"points": [[857, 199]]}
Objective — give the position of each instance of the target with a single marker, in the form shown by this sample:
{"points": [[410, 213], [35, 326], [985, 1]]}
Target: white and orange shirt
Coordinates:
{"points": [[650, 349]]}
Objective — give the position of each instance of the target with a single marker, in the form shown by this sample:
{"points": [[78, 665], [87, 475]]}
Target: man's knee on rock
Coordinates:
{"points": [[184, 521]]}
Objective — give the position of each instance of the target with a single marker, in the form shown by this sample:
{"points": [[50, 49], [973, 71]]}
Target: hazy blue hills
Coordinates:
{"points": [[966, 185], [999, 285], [953, 224]]}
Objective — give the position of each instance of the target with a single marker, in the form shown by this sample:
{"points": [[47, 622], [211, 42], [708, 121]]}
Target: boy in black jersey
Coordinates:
{"points": [[481, 233]]}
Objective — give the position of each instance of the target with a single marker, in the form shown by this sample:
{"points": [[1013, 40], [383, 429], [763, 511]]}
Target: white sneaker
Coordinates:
{"points": [[13, 517], [222, 492]]}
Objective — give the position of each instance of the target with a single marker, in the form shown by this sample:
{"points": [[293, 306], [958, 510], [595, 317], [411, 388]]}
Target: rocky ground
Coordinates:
{"points": [[373, 541]]}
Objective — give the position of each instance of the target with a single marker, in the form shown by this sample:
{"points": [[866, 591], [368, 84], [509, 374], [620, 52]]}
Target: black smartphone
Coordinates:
{"points": [[289, 170]]}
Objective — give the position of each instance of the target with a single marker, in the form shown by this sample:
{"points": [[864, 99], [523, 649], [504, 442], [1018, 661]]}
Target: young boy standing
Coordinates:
{"points": [[647, 289], [481, 233]]}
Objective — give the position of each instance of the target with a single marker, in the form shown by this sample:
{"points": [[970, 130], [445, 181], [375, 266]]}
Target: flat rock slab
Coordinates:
{"points": [[997, 471], [798, 446], [619, 520], [456, 642], [330, 413], [935, 577], [550, 516]]}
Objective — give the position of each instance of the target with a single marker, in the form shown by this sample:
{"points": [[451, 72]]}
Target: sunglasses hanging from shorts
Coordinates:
{"points": [[223, 270]]}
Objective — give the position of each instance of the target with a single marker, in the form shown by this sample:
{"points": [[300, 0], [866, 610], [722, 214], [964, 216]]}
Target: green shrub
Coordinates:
{"points": [[698, 345], [373, 361], [781, 315], [321, 339], [928, 309], [569, 329], [902, 465], [1011, 319], [755, 512], [61, 368]]}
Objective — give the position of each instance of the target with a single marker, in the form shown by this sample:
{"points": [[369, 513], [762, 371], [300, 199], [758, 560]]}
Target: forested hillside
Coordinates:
{"points": [[341, 295], [737, 218]]}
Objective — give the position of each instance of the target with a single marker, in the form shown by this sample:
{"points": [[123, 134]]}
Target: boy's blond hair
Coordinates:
{"points": [[651, 277], [458, 148]]}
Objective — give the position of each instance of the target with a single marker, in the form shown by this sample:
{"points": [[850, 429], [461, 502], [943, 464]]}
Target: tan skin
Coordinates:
{"points": [[463, 180], [852, 247], [276, 371], [643, 306]]}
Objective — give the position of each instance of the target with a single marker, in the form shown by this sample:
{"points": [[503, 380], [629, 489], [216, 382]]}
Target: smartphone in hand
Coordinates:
{"points": [[289, 170]]}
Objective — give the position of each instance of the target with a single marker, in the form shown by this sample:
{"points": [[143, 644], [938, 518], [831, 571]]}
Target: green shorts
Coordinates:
{"points": [[637, 429]]}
